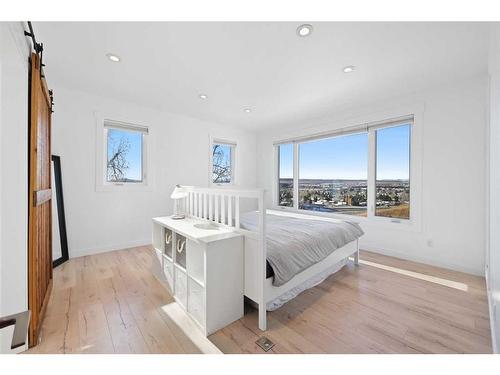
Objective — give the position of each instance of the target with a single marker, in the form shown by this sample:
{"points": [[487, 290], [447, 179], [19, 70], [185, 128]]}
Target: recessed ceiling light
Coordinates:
{"points": [[203, 96], [304, 30], [247, 110], [113, 58], [349, 69]]}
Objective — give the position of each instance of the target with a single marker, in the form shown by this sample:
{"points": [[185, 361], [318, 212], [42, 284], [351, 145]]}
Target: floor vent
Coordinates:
{"points": [[265, 343]]}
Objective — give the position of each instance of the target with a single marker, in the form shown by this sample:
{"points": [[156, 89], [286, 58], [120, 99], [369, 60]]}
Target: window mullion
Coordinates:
{"points": [[296, 176], [372, 165]]}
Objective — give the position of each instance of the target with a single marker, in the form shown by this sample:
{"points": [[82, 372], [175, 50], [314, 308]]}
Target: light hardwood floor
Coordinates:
{"points": [[111, 303]]}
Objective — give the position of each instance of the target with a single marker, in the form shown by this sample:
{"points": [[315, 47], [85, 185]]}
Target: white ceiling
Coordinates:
{"points": [[286, 80]]}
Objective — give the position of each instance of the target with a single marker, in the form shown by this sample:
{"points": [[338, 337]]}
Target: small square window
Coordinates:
{"points": [[222, 155], [124, 154]]}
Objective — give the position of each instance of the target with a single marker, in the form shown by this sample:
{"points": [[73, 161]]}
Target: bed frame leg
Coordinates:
{"points": [[262, 317], [356, 255]]}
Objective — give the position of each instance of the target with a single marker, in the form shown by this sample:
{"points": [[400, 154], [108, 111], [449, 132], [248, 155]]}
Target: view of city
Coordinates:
{"points": [[333, 173], [393, 198], [348, 196]]}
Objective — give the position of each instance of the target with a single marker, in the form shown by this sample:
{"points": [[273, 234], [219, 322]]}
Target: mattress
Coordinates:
{"points": [[294, 244]]}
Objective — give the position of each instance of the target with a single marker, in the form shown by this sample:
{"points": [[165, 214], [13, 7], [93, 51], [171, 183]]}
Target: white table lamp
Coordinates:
{"points": [[179, 194]]}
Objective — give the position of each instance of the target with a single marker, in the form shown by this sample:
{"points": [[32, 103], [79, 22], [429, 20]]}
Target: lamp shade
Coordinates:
{"points": [[179, 192]]}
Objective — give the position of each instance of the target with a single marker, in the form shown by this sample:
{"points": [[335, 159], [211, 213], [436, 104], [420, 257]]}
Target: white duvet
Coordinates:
{"points": [[294, 244]]}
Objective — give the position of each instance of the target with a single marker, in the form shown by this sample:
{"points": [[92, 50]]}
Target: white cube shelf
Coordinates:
{"points": [[204, 270]]}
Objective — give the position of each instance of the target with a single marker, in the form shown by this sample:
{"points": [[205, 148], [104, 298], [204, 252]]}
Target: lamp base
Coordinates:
{"points": [[178, 217]]}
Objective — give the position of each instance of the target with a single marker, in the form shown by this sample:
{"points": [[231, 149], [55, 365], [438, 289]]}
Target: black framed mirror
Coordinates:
{"points": [[59, 238]]}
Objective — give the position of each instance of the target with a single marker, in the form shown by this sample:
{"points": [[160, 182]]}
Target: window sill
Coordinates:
{"points": [[223, 185], [125, 187], [372, 221]]}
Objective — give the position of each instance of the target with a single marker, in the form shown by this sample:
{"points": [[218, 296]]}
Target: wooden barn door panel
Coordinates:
{"points": [[40, 195]]}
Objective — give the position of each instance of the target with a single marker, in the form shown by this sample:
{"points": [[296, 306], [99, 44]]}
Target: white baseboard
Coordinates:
{"points": [[492, 316], [425, 260], [75, 253]]}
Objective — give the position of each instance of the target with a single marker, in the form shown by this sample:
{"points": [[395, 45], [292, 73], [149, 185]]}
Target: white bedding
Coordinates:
{"points": [[294, 244], [312, 282]]}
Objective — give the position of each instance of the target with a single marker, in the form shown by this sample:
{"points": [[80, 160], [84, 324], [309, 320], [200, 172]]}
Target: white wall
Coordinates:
{"points": [[493, 255], [100, 221], [452, 202], [14, 55]]}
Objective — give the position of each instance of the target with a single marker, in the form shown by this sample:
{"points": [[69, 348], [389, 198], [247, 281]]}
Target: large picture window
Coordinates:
{"points": [[360, 172], [333, 175]]}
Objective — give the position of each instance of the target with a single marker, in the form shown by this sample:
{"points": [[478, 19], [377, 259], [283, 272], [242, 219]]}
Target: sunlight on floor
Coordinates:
{"points": [[190, 329], [416, 275]]}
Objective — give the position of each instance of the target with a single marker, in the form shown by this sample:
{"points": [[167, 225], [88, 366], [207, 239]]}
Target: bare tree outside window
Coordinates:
{"points": [[117, 163], [124, 156], [221, 163]]}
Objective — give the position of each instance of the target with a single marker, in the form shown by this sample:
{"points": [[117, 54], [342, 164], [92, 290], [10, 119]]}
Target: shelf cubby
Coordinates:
{"points": [[181, 291], [181, 249], [168, 240]]}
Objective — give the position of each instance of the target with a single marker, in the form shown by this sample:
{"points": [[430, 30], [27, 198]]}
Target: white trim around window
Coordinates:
{"points": [[369, 124], [103, 124], [226, 142]]}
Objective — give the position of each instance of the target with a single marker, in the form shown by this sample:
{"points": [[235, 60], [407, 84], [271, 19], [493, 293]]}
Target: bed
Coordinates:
{"points": [[285, 252], [294, 244]]}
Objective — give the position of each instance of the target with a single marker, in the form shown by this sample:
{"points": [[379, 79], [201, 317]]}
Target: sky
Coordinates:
{"points": [[226, 153], [346, 157], [134, 155], [393, 153]]}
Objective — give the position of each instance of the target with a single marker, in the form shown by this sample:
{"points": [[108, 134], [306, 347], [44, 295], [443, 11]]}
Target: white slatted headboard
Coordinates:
{"points": [[220, 205]]}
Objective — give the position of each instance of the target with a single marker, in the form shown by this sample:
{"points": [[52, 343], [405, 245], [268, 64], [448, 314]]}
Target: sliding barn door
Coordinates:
{"points": [[40, 194]]}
